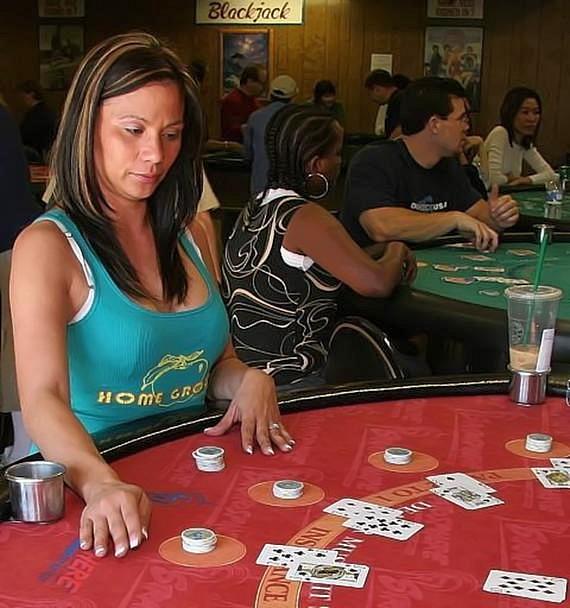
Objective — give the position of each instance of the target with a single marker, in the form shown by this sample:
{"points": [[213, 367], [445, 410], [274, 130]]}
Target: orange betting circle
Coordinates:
{"points": [[228, 551], [558, 450], [420, 462], [263, 493]]}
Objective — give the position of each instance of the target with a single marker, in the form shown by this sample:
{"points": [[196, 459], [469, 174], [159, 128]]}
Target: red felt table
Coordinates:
{"points": [[445, 564]]}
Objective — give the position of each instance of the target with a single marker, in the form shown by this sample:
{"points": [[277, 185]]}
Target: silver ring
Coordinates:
{"points": [[274, 426]]}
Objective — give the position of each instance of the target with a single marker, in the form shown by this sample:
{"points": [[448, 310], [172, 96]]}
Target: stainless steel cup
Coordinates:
{"points": [[36, 490], [528, 388]]}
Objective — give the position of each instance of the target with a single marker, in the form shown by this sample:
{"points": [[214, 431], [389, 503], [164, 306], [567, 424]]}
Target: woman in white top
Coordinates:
{"points": [[511, 142]]}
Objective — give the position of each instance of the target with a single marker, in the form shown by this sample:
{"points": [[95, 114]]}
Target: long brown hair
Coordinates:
{"points": [[114, 67]]}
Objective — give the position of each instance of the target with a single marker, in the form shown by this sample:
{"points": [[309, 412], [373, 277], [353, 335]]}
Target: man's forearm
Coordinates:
{"points": [[406, 225]]}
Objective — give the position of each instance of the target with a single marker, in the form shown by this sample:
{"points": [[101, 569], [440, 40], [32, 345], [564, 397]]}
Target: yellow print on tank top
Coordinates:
{"points": [[174, 379]]}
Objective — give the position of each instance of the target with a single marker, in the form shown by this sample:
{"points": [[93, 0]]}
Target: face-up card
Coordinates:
{"points": [[521, 253], [467, 498], [463, 480], [460, 246], [350, 507], [502, 280], [560, 463], [458, 280], [396, 529], [531, 586], [489, 268], [449, 267], [552, 477], [477, 257], [287, 555], [343, 575]]}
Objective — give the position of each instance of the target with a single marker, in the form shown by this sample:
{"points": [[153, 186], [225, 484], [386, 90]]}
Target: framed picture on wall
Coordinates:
{"points": [[456, 52], [455, 9], [61, 50], [61, 8], [238, 49]]}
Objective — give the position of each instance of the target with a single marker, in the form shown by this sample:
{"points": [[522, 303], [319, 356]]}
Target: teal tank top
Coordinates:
{"points": [[127, 362]]}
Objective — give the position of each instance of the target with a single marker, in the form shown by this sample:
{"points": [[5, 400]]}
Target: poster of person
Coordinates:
{"points": [[61, 50], [456, 52], [238, 50], [455, 9]]}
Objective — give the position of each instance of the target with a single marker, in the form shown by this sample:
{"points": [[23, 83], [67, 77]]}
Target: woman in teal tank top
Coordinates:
{"points": [[116, 315]]}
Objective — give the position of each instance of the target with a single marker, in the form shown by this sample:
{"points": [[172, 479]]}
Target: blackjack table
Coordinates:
{"points": [[458, 294], [450, 424]]}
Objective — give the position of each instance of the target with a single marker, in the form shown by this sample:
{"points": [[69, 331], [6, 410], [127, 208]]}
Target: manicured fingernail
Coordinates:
{"points": [[134, 542], [120, 551], [144, 532], [84, 545], [208, 429], [249, 449], [99, 551], [292, 442], [270, 451], [288, 447]]}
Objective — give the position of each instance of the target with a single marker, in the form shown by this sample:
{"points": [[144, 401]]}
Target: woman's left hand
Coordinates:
{"points": [[255, 406]]}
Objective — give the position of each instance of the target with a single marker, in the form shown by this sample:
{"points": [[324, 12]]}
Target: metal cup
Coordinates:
{"points": [[36, 491], [528, 388]]}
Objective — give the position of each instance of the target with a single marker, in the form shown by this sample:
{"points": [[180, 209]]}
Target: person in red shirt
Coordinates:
{"points": [[241, 102]]}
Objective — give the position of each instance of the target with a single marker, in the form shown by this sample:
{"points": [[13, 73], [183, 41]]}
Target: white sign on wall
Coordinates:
{"points": [[249, 12]]}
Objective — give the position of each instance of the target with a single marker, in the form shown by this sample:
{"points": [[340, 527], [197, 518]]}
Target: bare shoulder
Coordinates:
{"points": [[313, 215], [42, 248]]}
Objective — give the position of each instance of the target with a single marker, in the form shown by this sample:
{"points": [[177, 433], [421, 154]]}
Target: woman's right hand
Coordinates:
{"points": [[115, 511]]}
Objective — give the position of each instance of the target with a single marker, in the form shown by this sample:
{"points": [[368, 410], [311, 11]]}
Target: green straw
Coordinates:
{"points": [[540, 262], [537, 275]]}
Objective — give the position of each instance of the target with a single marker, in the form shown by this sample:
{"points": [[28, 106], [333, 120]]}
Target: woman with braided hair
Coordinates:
{"points": [[287, 256]]}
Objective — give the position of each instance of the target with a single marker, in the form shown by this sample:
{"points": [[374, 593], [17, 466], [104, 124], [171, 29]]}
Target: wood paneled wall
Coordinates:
{"points": [[525, 42]]}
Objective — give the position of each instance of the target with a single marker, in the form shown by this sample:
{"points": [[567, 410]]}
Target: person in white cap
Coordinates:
{"points": [[282, 90]]}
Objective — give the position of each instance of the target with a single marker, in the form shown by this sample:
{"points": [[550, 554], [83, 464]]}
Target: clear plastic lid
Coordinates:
{"points": [[527, 292]]}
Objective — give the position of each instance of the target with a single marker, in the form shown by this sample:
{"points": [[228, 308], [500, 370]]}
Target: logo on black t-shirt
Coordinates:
{"points": [[427, 205]]}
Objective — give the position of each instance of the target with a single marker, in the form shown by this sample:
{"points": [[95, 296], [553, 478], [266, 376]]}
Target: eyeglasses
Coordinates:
{"points": [[464, 118]]}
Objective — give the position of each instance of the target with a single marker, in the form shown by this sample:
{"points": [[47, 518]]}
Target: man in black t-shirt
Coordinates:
{"points": [[414, 189]]}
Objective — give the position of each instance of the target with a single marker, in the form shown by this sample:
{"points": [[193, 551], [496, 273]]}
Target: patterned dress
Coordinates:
{"points": [[281, 304]]}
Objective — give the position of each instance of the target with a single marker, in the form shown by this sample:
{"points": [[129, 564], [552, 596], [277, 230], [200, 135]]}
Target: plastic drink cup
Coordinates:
{"points": [[532, 322]]}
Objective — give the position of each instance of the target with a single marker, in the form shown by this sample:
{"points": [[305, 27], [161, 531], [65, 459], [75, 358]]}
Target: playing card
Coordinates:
{"points": [[489, 268], [344, 575], [554, 477], [458, 280], [463, 480], [396, 529], [502, 280], [530, 586], [521, 253], [560, 463], [467, 498], [460, 246], [287, 555], [351, 507], [449, 267], [477, 257]]}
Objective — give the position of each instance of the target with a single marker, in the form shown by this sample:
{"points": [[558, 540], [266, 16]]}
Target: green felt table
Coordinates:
{"points": [[472, 315], [533, 208], [556, 272]]}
